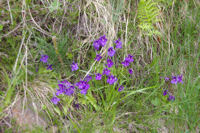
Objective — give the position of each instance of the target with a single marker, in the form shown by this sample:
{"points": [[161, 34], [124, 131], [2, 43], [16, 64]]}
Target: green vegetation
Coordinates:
{"points": [[163, 37]]}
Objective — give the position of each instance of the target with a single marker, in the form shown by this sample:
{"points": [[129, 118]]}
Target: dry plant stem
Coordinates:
{"points": [[11, 17], [17, 27], [38, 27], [64, 4], [56, 49]]}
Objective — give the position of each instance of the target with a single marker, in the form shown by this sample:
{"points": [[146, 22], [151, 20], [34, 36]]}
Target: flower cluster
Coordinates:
{"points": [[83, 86], [170, 97], [129, 59], [44, 59], [67, 88], [175, 79], [101, 42]]}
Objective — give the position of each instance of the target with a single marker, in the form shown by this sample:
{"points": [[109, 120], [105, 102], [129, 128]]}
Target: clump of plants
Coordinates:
{"points": [[105, 79]]}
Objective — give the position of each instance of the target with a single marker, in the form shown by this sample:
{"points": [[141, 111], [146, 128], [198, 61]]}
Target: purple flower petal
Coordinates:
{"points": [[103, 40], [74, 66], [96, 44], [111, 79], [98, 76], [174, 80], [180, 79], [129, 58], [125, 63], [111, 52], [165, 92], [118, 44], [106, 71], [69, 91], [55, 100], [44, 58], [109, 63], [98, 57], [121, 88], [49, 67], [88, 78], [171, 98], [130, 71], [166, 79]]}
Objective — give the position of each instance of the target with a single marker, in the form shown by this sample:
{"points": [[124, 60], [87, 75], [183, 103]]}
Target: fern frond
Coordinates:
{"points": [[148, 15]]}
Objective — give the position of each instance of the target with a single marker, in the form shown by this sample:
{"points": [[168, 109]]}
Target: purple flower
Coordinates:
{"points": [[84, 91], [77, 106], [106, 71], [121, 88], [129, 58], [83, 86], [49, 67], [180, 79], [111, 79], [44, 58], [96, 44], [55, 100], [103, 40], [69, 91], [88, 78], [66, 83], [61, 86], [59, 92], [171, 98], [98, 76], [111, 52], [130, 71], [74, 66], [174, 80], [125, 63], [109, 63], [118, 44], [165, 92], [98, 57], [166, 79]]}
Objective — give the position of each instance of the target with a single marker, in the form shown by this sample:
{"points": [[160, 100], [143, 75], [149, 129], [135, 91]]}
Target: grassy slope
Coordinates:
{"points": [[175, 52]]}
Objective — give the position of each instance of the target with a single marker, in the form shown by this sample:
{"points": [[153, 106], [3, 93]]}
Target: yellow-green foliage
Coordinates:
{"points": [[148, 15]]}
